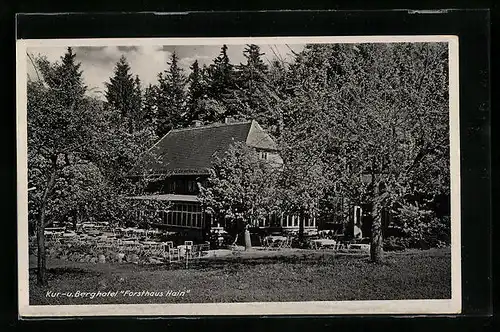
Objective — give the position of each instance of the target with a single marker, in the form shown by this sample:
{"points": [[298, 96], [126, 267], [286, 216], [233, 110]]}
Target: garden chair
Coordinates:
{"points": [[196, 251], [169, 244], [158, 250], [274, 245], [131, 246], [267, 242], [103, 245], [174, 255], [287, 243], [315, 245], [279, 243], [166, 247], [204, 247], [147, 247], [189, 248]]}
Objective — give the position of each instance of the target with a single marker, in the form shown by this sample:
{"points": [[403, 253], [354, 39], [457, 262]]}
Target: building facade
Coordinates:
{"points": [[182, 163]]}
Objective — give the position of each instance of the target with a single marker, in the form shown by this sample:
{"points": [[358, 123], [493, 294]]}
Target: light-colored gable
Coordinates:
{"points": [[259, 139]]}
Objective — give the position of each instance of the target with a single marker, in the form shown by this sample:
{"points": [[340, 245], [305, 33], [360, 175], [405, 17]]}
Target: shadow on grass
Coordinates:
{"points": [[276, 277], [238, 261], [71, 271], [66, 272]]}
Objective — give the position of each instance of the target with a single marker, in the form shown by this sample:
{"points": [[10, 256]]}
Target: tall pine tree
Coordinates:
{"points": [[137, 110], [197, 93], [65, 78], [221, 74], [253, 72], [171, 97], [252, 97], [150, 106], [120, 92], [222, 84]]}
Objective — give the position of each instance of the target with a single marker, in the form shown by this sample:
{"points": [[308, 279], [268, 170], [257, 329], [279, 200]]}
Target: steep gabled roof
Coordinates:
{"points": [[191, 150]]}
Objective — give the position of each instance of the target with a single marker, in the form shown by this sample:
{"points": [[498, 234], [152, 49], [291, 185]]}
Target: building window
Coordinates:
{"points": [[172, 187], [263, 155], [191, 186]]}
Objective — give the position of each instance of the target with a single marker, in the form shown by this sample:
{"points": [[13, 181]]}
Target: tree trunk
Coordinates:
{"points": [[237, 236], [75, 219], [40, 237], [376, 247], [301, 225], [207, 223], [130, 125], [248, 241]]}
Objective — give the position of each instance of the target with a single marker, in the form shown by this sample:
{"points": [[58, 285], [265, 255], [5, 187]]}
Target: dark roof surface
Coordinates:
{"points": [[190, 150]]}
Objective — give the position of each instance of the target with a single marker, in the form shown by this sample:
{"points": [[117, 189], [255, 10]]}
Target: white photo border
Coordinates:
{"points": [[393, 307]]}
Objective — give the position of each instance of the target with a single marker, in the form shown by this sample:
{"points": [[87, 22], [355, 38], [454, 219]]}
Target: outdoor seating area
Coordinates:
{"points": [[314, 242], [328, 244], [100, 242], [276, 242], [128, 244]]}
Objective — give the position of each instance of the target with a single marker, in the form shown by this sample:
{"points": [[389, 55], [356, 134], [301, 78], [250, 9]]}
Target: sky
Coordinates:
{"points": [[98, 62]]}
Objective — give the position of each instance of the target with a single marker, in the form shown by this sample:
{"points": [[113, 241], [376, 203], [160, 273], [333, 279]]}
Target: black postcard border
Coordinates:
{"points": [[473, 28]]}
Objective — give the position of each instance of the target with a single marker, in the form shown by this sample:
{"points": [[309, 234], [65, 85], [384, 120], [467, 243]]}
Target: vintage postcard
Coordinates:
{"points": [[238, 176]]}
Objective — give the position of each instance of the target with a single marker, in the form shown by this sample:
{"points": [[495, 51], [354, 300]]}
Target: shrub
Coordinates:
{"points": [[420, 229], [393, 243], [305, 243]]}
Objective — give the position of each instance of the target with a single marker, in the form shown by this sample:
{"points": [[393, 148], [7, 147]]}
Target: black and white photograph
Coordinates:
{"points": [[216, 176]]}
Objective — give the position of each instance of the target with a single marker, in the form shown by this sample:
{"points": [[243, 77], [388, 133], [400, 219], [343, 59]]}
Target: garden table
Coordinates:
{"points": [[132, 245], [324, 243], [128, 242], [275, 241], [185, 249], [155, 248]]}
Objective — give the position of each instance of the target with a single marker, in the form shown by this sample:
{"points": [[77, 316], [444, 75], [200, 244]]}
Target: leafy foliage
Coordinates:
{"points": [[78, 153], [373, 118], [241, 185], [365, 122]]}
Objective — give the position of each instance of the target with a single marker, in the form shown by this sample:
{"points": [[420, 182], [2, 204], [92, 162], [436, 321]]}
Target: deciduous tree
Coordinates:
{"points": [[241, 187], [381, 115], [78, 154]]}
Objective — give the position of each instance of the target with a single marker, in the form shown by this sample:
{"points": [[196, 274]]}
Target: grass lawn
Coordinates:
{"points": [[287, 275]]}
